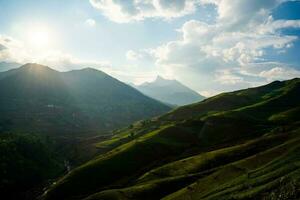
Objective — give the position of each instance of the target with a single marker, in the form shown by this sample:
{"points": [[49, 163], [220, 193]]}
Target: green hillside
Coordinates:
{"points": [[36, 98], [238, 145]]}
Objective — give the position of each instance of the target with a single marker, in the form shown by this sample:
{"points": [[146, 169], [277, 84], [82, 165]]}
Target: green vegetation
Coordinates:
{"points": [[252, 177], [286, 116], [238, 145], [26, 162]]}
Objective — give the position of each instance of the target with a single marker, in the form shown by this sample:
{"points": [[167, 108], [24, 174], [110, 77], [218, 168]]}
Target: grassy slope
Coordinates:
{"points": [[248, 178], [141, 159], [194, 175], [214, 159], [124, 162]]}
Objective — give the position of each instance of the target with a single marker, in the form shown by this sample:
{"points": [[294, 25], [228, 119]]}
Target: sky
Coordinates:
{"points": [[211, 46]]}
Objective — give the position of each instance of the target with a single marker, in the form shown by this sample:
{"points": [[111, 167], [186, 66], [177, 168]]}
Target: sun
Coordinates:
{"points": [[39, 37]]}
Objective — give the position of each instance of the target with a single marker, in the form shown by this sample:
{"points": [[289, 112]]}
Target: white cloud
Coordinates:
{"points": [[228, 54], [201, 42], [143, 56], [132, 55], [271, 25], [239, 15], [279, 73], [16, 51], [124, 11], [250, 13], [64, 62], [90, 22], [208, 93], [226, 77]]}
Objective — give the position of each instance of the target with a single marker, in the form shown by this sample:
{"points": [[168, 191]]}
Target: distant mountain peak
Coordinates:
{"points": [[169, 91]]}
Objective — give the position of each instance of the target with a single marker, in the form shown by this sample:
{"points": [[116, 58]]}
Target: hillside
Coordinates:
{"points": [[238, 145], [36, 98], [170, 91]]}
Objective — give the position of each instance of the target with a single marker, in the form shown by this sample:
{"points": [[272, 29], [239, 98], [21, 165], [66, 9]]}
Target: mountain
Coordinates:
{"points": [[170, 91], [36, 98], [238, 145]]}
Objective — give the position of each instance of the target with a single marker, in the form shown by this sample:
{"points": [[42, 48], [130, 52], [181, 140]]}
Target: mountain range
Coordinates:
{"points": [[238, 145], [36, 98], [169, 91]]}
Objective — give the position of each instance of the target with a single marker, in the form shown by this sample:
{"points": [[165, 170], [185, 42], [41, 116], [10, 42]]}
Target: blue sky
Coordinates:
{"points": [[209, 45]]}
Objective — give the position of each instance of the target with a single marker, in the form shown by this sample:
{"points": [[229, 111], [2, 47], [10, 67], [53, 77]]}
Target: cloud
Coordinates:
{"points": [[279, 73], [132, 55], [202, 42], [12, 50], [226, 77], [229, 54], [90, 22], [239, 15], [272, 26], [124, 11], [65, 62], [208, 93], [250, 13], [15, 51], [141, 57]]}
